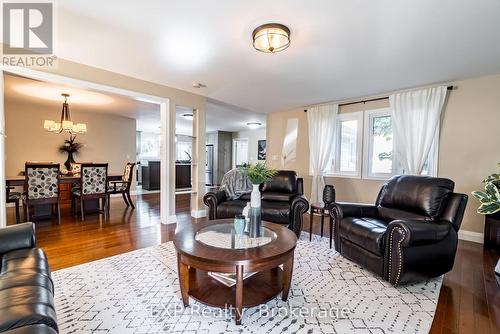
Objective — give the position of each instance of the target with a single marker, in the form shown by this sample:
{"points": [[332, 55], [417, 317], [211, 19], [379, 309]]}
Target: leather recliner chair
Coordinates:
{"points": [[410, 234], [26, 287], [282, 202]]}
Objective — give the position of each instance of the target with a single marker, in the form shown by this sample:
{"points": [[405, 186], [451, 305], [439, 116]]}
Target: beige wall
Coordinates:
{"points": [[468, 148], [253, 137], [110, 138]]}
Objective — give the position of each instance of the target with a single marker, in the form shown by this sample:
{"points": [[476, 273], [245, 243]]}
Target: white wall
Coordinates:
{"points": [[253, 137]]}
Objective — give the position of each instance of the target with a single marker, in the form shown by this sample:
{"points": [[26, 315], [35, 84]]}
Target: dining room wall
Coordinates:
{"points": [[110, 138]]}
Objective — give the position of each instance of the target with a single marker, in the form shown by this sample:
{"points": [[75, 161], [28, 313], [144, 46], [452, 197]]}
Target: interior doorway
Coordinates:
{"points": [[185, 159], [166, 190]]}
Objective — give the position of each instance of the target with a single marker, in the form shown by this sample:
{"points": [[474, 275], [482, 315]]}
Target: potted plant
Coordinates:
{"points": [[490, 197], [257, 174], [490, 207], [71, 148]]}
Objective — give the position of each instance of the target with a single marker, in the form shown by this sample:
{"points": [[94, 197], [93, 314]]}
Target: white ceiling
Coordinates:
{"points": [[339, 49], [49, 94], [219, 116]]}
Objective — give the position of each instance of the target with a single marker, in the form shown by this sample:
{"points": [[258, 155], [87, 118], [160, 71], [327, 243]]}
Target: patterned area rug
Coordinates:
{"points": [[138, 292]]}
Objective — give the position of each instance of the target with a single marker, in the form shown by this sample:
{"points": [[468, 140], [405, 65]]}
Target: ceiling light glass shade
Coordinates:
{"points": [[80, 128], [56, 128], [271, 38], [48, 124], [67, 125]]}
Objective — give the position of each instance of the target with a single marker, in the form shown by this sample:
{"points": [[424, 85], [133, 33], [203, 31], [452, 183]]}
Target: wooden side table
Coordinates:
{"points": [[320, 210]]}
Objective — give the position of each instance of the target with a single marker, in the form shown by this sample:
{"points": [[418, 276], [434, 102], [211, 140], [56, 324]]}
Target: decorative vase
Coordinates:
{"points": [[69, 161], [245, 213], [239, 225], [255, 196], [328, 195], [255, 213]]}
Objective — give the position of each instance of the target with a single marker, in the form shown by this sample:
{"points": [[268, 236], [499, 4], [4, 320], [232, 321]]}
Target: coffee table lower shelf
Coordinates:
{"points": [[258, 289]]}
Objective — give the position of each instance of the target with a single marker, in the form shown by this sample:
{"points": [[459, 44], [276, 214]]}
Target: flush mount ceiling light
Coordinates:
{"points": [[198, 85], [254, 125], [189, 117], [271, 38]]}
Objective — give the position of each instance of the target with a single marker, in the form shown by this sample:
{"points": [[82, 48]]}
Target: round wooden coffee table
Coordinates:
{"points": [[214, 247]]}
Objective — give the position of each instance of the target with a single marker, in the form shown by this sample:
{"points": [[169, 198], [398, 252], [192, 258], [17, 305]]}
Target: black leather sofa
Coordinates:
{"points": [[410, 234], [282, 201], [26, 287]]}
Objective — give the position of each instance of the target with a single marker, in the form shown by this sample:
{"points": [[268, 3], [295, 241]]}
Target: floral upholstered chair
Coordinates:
{"points": [[93, 182], [123, 186], [41, 186]]}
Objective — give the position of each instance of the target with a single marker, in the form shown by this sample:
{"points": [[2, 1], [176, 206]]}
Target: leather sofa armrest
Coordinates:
{"points": [[339, 210], [17, 237], [212, 199], [298, 206], [418, 249], [417, 233], [344, 209]]}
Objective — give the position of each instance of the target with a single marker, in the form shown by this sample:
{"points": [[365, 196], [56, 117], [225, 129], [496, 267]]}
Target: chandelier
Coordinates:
{"points": [[271, 38], [65, 124]]}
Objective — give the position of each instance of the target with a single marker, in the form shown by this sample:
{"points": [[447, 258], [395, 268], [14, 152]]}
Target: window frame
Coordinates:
{"points": [[369, 116], [335, 168], [235, 148]]}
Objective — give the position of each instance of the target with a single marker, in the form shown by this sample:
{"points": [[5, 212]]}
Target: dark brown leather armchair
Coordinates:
{"points": [[26, 287], [411, 233], [282, 202]]}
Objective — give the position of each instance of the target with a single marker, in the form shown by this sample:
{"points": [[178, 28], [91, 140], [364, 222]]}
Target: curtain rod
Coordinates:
{"points": [[371, 100]]}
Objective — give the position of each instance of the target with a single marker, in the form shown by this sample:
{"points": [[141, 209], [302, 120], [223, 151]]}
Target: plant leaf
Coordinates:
{"points": [[492, 191], [489, 208], [492, 178], [481, 196]]}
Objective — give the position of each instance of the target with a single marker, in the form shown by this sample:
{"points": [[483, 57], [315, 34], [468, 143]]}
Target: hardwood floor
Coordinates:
{"points": [[469, 301]]}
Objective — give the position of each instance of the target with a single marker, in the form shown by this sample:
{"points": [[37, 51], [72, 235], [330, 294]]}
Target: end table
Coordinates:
{"points": [[319, 209]]}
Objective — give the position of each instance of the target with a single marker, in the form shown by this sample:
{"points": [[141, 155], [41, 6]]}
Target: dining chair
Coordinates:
{"points": [[123, 186], [93, 181], [41, 186], [14, 197]]}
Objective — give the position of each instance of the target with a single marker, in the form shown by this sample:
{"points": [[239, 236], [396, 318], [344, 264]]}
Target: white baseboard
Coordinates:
{"points": [[471, 236], [198, 213]]}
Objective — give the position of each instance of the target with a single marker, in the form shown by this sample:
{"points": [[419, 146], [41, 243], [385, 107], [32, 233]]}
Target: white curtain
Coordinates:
{"points": [[322, 125], [415, 121]]}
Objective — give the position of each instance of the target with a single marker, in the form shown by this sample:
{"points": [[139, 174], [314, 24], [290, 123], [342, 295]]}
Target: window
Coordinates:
{"points": [[149, 145], [378, 160], [347, 157], [183, 148], [364, 147], [240, 152]]}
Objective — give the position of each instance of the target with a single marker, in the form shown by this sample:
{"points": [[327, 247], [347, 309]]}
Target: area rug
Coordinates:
{"points": [[138, 292]]}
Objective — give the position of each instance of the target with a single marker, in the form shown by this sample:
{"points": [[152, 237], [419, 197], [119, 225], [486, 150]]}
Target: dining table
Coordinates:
{"points": [[17, 181], [43, 211]]}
